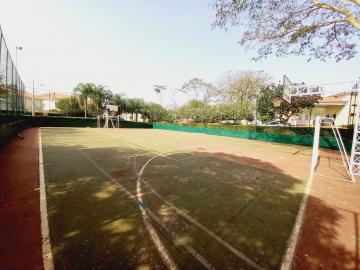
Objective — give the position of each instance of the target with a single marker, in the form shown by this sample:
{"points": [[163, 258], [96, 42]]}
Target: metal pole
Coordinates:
{"points": [[256, 113], [6, 83], [315, 152], [32, 100]]}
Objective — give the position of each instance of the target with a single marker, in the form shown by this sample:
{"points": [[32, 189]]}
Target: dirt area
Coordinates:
{"points": [[20, 234], [330, 233]]}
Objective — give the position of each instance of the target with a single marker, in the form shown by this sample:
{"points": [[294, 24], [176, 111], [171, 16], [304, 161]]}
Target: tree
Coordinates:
{"points": [[318, 28], [101, 97], [69, 107], [121, 102], [198, 89], [155, 112], [265, 105], [236, 111], [194, 109], [240, 86], [84, 90], [297, 105], [135, 106]]}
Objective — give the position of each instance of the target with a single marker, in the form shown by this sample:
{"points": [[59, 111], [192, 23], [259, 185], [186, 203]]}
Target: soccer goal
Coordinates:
{"points": [[346, 160], [104, 120], [352, 162]]}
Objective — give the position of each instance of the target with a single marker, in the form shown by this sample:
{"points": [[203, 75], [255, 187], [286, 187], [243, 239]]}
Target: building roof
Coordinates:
{"points": [[339, 99], [45, 96], [53, 95]]}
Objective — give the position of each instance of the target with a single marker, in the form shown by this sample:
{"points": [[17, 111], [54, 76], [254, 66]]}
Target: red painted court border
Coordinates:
{"points": [[20, 223]]}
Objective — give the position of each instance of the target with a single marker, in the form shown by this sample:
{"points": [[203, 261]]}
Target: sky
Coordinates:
{"points": [[131, 45]]}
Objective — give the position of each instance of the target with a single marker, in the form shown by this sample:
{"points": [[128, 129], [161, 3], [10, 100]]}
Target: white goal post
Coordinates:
{"points": [[103, 121], [319, 121], [110, 114]]}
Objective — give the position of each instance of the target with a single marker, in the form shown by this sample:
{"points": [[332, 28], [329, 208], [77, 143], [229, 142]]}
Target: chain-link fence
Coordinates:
{"points": [[12, 89]]}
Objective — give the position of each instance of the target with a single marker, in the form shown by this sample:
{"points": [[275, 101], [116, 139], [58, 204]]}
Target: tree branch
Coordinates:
{"points": [[350, 18], [357, 2]]}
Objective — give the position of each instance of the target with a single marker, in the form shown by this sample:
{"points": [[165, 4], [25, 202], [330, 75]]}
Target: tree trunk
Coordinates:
{"points": [[136, 116], [85, 106]]}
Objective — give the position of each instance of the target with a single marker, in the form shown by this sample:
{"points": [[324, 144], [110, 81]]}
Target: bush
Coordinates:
{"points": [[346, 133]]}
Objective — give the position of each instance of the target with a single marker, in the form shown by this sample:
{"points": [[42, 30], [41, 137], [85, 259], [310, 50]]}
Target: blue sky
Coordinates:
{"points": [[132, 45]]}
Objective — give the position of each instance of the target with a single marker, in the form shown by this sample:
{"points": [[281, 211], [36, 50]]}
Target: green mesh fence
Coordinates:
{"points": [[12, 89], [306, 140]]}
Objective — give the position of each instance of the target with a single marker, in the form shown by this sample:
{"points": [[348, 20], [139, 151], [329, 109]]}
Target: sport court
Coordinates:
{"points": [[155, 199]]}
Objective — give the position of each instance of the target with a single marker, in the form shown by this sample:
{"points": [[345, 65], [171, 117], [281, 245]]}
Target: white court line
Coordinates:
{"points": [[289, 254], [154, 236], [238, 253], [169, 262], [221, 241], [46, 245], [178, 241]]}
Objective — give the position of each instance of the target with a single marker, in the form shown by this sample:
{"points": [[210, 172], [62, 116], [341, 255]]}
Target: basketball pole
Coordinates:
{"points": [[315, 152]]}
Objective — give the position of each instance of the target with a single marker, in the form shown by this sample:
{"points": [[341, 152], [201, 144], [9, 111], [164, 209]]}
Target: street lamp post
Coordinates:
{"points": [[16, 53]]}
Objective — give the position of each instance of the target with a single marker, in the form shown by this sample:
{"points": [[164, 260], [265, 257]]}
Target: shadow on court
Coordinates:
{"points": [[210, 201]]}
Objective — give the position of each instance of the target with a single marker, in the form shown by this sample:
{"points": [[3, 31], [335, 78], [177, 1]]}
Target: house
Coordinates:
{"points": [[38, 103], [43, 103], [340, 106], [49, 100]]}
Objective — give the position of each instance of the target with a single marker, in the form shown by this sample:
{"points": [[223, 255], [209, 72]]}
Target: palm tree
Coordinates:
{"points": [[121, 102], [85, 90]]}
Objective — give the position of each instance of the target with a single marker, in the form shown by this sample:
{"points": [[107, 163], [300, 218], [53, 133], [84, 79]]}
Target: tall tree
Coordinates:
{"points": [[318, 28], [198, 89], [135, 106], [85, 91], [265, 104], [241, 86], [121, 101]]}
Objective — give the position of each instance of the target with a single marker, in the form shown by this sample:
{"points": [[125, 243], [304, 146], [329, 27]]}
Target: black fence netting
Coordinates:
{"points": [[12, 89]]}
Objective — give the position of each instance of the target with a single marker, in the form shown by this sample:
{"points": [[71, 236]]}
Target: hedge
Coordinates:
{"points": [[290, 135], [60, 121], [11, 125]]}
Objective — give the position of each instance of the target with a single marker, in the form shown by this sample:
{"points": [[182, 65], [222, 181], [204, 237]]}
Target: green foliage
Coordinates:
{"points": [[85, 91], [69, 106], [121, 102], [135, 105], [155, 112], [268, 111], [100, 97], [199, 111], [297, 105], [265, 106]]}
